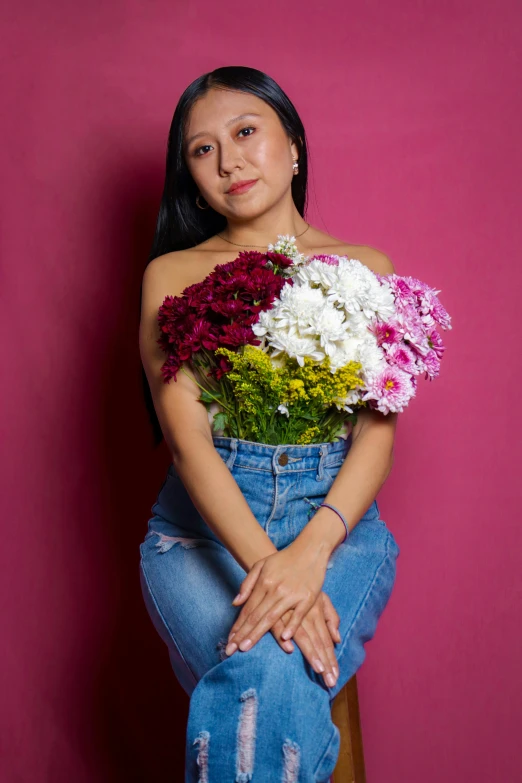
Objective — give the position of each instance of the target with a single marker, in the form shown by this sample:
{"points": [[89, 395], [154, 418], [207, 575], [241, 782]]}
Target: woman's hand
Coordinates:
{"points": [[283, 588], [287, 579], [315, 637]]}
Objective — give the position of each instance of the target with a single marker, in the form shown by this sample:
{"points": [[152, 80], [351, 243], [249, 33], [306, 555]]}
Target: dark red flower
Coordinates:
{"points": [[220, 310], [280, 260]]}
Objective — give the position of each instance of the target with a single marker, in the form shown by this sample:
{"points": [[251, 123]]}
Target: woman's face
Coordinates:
{"points": [[228, 149]]}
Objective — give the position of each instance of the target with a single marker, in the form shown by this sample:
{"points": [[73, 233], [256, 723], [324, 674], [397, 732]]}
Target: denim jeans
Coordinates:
{"points": [[264, 714]]}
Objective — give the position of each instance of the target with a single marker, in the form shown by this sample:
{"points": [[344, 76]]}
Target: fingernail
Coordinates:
{"points": [[330, 679], [230, 648], [245, 644], [288, 646], [238, 596], [335, 671], [318, 664]]}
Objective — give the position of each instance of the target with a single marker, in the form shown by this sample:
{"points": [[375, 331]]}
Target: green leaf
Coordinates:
{"points": [[308, 416], [206, 397], [220, 421]]}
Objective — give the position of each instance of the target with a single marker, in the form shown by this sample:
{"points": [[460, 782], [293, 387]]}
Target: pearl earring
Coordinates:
{"points": [[295, 166]]}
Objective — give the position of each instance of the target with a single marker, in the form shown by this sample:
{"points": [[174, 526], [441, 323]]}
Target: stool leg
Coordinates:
{"points": [[345, 715]]}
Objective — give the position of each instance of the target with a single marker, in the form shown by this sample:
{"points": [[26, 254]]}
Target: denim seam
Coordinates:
{"points": [[328, 468], [160, 613], [274, 504], [332, 739], [280, 472], [366, 598], [274, 445]]}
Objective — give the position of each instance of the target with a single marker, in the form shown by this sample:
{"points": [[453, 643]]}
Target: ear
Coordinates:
{"points": [[294, 149]]}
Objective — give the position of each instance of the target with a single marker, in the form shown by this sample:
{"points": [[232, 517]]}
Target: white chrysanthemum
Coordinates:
{"points": [[352, 398], [295, 346], [327, 312], [347, 351], [371, 356], [296, 306], [329, 325], [265, 323], [380, 301], [352, 288], [318, 272]]}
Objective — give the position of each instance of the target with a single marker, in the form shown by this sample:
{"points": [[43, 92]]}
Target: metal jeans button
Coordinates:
{"points": [[283, 459]]}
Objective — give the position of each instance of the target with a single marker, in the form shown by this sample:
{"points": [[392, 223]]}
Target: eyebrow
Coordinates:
{"points": [[230, 122]]}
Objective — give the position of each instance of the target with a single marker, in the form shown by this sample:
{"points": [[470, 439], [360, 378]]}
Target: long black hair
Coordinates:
{"points": [[181, 223]]}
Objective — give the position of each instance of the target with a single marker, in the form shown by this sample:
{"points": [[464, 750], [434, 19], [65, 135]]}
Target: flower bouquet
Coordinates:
{"points": [[286, 348]]}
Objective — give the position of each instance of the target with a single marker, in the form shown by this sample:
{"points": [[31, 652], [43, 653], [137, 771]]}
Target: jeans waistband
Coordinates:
{"points": [[282, 458]]}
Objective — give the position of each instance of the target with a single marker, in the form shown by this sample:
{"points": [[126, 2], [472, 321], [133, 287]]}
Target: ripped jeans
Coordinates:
{"points": [[264, 714]]}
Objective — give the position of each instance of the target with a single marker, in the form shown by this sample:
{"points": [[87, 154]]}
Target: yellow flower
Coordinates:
{"points": [[308, 435]]}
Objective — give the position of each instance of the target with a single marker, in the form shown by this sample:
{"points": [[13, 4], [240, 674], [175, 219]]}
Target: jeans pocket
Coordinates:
{"points": [[331, 470]]}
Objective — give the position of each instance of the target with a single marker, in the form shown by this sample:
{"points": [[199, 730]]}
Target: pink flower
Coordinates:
{"points": [[386, 332], [389, 390], [431, 365], [326, 259], [435, 341], [402, 357]]}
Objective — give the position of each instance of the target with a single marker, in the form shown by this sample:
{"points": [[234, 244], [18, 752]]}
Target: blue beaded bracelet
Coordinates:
{"points": [[329, 505]]}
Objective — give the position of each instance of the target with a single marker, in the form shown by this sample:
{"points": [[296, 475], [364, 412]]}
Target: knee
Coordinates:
{"points": [[267, 657]]}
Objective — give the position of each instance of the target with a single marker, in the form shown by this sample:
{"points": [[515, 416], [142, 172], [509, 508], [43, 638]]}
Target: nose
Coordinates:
{"points": [[230, 158]]}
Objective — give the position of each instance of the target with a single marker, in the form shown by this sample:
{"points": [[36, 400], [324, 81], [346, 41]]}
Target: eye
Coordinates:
{"points": [[196, 151], [249, 127]]}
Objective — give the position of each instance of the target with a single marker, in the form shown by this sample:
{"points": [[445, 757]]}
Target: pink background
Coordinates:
{"points": [[414, 119]]}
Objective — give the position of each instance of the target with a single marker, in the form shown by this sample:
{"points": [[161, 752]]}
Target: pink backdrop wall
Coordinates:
{"points": [[414, 119]]}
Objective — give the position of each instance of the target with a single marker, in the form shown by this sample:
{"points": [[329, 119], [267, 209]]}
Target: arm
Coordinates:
{"points": [[186, 428], [366, 467], [362, 474]]}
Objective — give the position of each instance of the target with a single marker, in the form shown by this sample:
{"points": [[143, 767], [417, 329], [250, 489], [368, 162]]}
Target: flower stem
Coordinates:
{"points": [[205, 390]]}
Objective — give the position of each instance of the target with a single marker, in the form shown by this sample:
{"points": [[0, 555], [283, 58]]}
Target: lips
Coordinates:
{"points": [[240, 187]]}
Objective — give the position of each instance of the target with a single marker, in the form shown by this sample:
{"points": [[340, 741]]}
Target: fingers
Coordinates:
{"points": [[248, 583], [262, 618], [322, 641], [316, 645], [300, 610], [334, 631], [278, 628], [331, 617], [315, 639], [314, 628]]}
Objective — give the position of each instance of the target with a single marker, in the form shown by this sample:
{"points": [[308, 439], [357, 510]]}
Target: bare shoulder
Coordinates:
{"points": [[176, 404], [166, 275], [171, 273], [164, 266], [373, 258]]}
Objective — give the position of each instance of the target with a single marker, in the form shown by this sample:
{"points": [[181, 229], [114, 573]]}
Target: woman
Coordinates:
{"points": [[231, 515]]}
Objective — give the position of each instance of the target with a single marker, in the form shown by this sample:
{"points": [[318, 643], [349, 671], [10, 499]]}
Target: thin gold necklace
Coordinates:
{"points": [[239, 245]]}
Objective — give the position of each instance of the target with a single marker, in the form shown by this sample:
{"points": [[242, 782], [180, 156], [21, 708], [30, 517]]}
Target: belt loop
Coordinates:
{"points": [[275, 456], [320, 465], [233, 453]]}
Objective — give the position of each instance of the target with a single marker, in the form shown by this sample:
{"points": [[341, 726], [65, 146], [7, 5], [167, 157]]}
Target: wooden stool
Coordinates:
{"points": [[345, 715]]}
